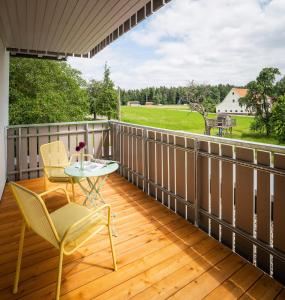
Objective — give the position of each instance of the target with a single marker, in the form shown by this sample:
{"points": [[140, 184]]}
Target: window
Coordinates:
{"points": [[241, 111], [226, 111], [218, 110], [230, 110], [236, 110], [233, 93], [233, 100]]}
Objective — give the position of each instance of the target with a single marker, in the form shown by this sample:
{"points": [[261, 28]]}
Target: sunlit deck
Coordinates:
{"points": [[160, 255]]}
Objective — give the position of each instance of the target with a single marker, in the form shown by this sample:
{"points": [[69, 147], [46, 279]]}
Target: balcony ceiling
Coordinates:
{"points": [[60, 28]]}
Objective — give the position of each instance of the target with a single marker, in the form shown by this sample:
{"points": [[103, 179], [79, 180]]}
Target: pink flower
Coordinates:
{"points": [[81, 145], [77, 148]]}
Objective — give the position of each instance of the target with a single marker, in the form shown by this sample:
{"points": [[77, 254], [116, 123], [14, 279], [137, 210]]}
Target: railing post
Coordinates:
{"points": [[145, 169], [196, 200], [87, 139]]}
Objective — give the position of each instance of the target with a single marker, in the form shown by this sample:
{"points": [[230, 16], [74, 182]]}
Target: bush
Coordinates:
{"points": [[278, 119]]}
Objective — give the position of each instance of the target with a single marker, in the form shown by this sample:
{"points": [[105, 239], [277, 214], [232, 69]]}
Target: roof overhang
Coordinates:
{"points": [[61, 28]]}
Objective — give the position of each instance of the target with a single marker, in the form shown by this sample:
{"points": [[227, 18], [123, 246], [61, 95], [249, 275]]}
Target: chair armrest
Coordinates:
{"points": [[55, 189], [85, 220], [77, 155]]}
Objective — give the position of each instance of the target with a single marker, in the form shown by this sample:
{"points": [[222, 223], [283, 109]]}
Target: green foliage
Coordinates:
{"points": [[278, 118], [261, 93], [103, 97], [94, 91], [44, 91]]}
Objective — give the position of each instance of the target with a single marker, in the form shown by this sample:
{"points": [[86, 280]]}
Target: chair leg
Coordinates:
{"points": [[112, 248], [58, 285], [20, 253]]}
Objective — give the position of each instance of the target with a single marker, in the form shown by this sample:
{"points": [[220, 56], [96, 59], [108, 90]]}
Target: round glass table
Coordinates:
{"points": [[95, 174]]}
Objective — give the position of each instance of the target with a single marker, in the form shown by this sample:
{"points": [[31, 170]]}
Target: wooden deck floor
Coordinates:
{"points": [[160, 256]]}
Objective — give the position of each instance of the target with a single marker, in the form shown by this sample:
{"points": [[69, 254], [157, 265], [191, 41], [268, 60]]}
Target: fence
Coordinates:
{"points": [[24, 141], [233, 190]]}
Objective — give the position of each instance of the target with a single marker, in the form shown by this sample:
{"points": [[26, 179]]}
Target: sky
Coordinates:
{"points": [[208, 41]]}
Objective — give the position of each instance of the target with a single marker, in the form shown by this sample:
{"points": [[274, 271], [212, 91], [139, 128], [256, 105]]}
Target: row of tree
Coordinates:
{"points": [[173, 95]]}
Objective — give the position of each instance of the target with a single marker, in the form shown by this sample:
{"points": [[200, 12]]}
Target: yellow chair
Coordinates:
{"points": [[67, 228], [55, 159]]}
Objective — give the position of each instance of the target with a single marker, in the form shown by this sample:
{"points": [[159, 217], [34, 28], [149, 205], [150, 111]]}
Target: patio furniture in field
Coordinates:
{"points": [[55, 159], [67, 228]]}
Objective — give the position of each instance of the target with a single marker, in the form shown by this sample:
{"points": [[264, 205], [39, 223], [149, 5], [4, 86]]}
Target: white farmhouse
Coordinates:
{"points": [[231, 102]]}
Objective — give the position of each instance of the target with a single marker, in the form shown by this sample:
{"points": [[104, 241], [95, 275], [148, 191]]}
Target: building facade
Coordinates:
{"points": [[231, 102]]}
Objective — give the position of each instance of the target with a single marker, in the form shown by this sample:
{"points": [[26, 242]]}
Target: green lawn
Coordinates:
{"points": [[179, 119]]}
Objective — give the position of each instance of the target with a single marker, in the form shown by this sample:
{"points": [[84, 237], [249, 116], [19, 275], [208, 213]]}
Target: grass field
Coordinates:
{"points": [[177, 118]]}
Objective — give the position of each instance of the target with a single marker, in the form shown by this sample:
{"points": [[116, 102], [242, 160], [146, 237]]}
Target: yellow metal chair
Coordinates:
{"points": [[67, 228], [55, 159]]}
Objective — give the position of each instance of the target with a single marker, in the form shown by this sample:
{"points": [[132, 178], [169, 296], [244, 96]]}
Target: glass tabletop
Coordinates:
{"points": [[91, 169]]}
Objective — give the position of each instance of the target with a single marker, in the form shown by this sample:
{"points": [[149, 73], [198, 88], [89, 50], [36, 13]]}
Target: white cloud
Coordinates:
{"points": [[221, 41]]}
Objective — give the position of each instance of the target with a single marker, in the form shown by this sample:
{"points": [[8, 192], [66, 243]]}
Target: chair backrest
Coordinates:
{"points": [[35, 213], [54, 154]]}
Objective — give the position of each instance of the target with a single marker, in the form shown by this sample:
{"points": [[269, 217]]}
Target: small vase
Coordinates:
{"points": [[81, 160]]}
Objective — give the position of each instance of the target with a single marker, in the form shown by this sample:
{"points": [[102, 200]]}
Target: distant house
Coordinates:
{"points": [[231, 102], [149, 103], [133, 103]]}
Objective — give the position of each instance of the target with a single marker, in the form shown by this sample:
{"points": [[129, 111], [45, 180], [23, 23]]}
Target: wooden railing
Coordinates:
{"points": [[233, 190], [24, 141]]}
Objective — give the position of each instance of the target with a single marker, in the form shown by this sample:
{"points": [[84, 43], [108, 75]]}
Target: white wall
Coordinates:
{"points": [[4, 98], [231, 105]]}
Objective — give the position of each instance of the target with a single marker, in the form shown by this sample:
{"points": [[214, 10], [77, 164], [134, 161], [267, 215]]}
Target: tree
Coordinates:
{"points": [[199, 100], [45, 91], [106, 100], [261, 93], [94, 91], [278, 118]]}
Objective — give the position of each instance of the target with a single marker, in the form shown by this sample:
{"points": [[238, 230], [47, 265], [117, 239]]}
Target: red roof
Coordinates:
{"points": [[241, 92]]}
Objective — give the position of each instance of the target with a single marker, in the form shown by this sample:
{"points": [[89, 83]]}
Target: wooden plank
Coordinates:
{"points": [[227, 200], [215, 189], [158, 167], [64, 137], [151, 162], [214, 277], [244, 202], [165, 174], [264, 288], [237, 284], [190, 157], [278, 218], [33, 152], [171, 172], [180, 175], [42, 140], [263, 210], [11, 155], [128, 289], [203, 185]]}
